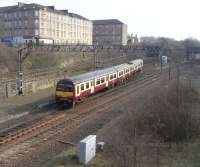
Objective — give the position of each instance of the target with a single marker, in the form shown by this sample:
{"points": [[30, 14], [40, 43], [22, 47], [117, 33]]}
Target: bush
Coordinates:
{"points": [[170, 117], [162, 118]]}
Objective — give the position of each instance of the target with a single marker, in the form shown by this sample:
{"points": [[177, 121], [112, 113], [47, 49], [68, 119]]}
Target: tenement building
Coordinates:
{"points": [[109, 32], [44, 24]]}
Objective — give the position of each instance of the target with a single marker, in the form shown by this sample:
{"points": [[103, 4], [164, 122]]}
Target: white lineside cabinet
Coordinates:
{"points": [[87, 149]]}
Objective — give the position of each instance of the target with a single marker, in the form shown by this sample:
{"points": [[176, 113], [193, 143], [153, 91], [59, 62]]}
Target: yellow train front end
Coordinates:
{"points": [[64, 92]]}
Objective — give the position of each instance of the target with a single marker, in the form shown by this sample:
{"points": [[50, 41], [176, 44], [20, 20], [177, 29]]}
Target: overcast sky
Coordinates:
{"points": [[169, 18]]}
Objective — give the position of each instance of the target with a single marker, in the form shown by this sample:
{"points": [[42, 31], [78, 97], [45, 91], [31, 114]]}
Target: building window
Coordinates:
{"points": [[20, 32], [26, 23], [20, 14], [26, 32], [9, 24], [26, 13], [15, 23], [36, 23], [36, 32], [36, 13]]}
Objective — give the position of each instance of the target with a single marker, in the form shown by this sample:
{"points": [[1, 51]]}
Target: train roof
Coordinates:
{"points": [[91, 75], [121, 66], [136, 61], [99, 73]]}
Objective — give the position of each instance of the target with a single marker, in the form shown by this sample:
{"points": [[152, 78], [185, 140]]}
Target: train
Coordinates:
{"points": [[72, 90]]}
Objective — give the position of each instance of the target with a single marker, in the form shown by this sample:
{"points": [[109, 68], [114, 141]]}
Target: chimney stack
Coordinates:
{"points": [[20, 4]]}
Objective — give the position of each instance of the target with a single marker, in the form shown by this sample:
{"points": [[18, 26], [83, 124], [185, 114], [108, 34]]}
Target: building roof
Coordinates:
{"points": [[23, 6], [34, 6], [109, 21], [77, 16]]}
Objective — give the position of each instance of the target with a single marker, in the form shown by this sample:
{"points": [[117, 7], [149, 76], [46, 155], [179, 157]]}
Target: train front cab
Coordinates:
{"points": [[65, 92]]}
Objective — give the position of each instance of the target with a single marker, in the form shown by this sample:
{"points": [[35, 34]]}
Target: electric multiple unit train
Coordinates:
{"points": [[72, 90]]}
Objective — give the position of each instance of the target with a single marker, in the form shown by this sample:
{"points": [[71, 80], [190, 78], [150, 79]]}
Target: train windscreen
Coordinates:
{"points": [[66, 87]]}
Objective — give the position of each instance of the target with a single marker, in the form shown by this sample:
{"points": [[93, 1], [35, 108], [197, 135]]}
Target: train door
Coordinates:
{"points": [[92, 86], [78, 90], [107, 78]]}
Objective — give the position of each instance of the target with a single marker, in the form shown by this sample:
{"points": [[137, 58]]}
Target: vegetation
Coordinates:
{"points": [[8, 59], [162, 130], [42, 61], [156, 130], [69, 158], [47, 59], [57, 60]]}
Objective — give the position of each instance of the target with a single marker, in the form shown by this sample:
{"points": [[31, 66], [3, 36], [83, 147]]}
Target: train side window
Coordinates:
{"points": [[87, 85], [115, 76], [82, 87], [98, 82], [102, 80], [77, 91], [111, 77], [120, 73]]}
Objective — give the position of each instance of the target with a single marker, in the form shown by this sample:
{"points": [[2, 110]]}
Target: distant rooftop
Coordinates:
{"points": [[31, 6], [109, 21], [77, 16]]}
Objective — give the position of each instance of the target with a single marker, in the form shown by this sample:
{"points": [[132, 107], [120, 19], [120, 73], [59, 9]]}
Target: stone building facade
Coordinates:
{"points": [[44, 24], [112, 32]]}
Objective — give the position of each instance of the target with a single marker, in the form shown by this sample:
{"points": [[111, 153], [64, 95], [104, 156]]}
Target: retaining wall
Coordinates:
{"points": [[30, 84]]}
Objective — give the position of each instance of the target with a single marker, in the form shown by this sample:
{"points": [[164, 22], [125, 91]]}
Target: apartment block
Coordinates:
{"points": [[109, 32], [44, 24]]}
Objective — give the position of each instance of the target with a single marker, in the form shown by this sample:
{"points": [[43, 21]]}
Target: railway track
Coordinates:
{"points": [[59, 118], [34, 136]]}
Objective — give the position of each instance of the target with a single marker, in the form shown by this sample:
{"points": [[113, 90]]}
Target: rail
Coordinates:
{"points": [[60, 118]]}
